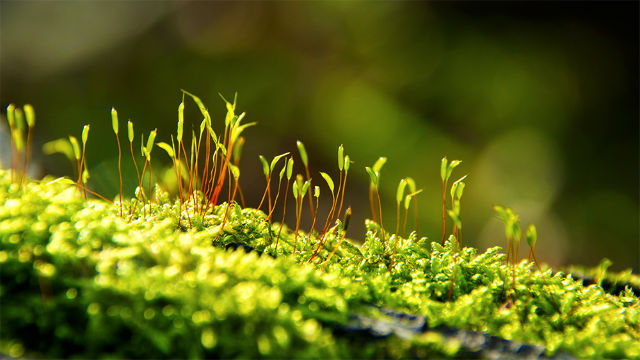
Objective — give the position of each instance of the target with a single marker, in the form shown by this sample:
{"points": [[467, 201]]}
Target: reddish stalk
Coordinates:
{"points": [[27, 157], [532, 254], [276, 199], [226, 213], [337, 214], [265, 191], [298, 214], [380, 213], [313, 214], [80, 168], [344, 184], [135, 163], [284, 211], [313, 223], [347, 217], [242, 196], [444, 218], [223, 173], [120, 171], [326, 262]]}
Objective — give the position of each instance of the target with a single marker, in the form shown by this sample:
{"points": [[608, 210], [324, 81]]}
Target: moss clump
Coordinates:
{"points": [[79, 281]]}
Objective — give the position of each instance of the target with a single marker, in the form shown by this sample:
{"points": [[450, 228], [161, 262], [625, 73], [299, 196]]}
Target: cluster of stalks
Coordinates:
{"points": [[203, 167], [20, 152]]}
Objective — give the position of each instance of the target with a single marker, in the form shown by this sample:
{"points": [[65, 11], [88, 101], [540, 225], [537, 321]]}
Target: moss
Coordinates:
{"points": [[79, 281]]}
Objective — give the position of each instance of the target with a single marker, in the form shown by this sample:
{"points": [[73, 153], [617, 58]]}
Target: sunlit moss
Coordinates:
{"points": [[91, 277]]}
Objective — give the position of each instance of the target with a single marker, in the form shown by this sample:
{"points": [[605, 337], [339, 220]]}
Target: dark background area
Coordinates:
{"points": [[539, 100]]}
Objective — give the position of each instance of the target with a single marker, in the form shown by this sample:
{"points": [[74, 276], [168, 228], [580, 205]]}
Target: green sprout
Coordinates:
{"points": [[446, 169], [345, 225], [114, 125], [299, 191], [457, 189], [532, 237], [177, 162], [399, 197], [330, 184], [374, 177], [208, 177], [340, 169], [323, 233], [346, 161], [77, 155], [513, 233], [15, 116], [83, 175], [30, 116], [11, 108], [316, 194], [233, 129], [289, 167], [147, 151], [131, 136], [280, 176], [305, 161], [235, 173], [18, 131], [411, 196], [267, 169], [237, 154], [377, 166]]}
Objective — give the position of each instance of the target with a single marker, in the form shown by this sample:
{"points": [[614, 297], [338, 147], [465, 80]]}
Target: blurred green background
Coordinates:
{"points": [[539, 100]]}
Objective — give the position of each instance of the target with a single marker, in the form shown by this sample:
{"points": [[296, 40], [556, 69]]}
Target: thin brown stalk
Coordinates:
{"points": [[380, 213], [444, 218], [27, 156], [225, 161], [276, 199], [13, 152], [336, 215], [81, 167], [241, 196], [326, 262], [135, 163], [84, 188], [227, 210], [150, 192], [344, 184], [120, 171], [395, 246], [308, 174], [135, 203], [532, 255], [265, 191], [284, 211], [313, 223], [404, 223], [298, 214]]}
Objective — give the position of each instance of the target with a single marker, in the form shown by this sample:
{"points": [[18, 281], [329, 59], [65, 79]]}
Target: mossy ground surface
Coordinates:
{"points": [[77, 280]]}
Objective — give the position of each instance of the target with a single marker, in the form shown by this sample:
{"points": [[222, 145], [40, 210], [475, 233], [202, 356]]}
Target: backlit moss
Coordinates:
{"points": [[79, 281]]}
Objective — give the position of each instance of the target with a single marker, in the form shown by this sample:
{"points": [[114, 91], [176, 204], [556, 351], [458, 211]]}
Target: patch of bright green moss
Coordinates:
{"points": [[79, 281]]}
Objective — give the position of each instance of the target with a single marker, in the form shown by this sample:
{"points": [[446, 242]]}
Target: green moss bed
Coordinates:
{"points": [[77, 280]]}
